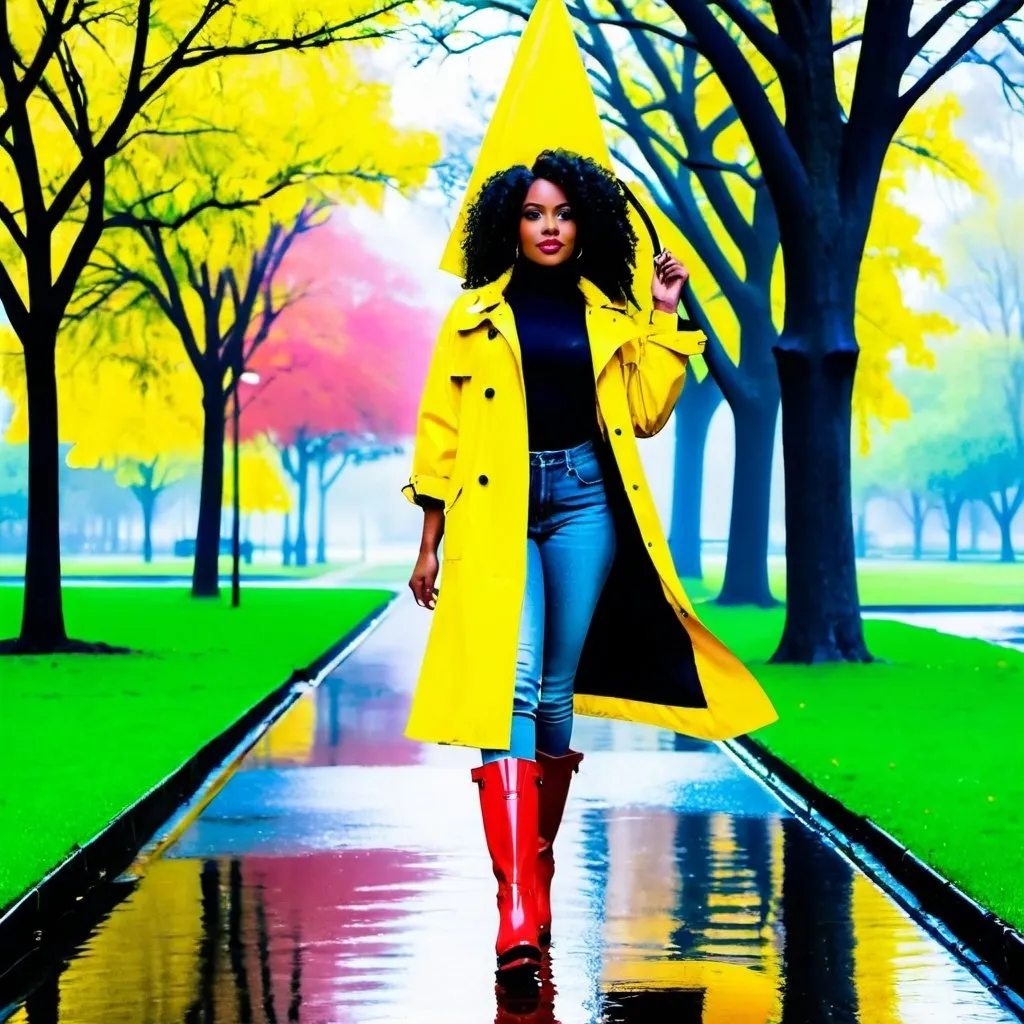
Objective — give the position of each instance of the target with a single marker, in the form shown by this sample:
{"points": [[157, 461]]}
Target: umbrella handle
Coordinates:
{"points": [[687, 296]]}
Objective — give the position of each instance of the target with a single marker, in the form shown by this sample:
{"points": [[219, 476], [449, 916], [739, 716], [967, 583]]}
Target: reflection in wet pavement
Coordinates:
{"points": [[340, 876]]}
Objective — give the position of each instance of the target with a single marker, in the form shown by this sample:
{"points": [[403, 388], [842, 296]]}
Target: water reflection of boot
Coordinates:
{"points": [[531, 1001], [508, 804], [556, 774]]}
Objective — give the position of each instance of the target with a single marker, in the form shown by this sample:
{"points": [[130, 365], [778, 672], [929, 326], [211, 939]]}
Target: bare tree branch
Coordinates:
{"points": [[769, 45], [994, 16], [931, 28], [779, 161]]}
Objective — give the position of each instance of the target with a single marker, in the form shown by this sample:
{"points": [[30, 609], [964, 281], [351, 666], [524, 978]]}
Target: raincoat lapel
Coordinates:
{"points": [[609, 325]]}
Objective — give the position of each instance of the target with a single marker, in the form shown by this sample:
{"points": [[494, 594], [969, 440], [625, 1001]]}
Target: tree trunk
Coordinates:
{"points": [[42, 622], [693, 413], [953, 507], [746, 566], [301, 540], [1004, 512], [1006, 552], [321, 535], [286, 540], [205, 571], [822, 606], [148, 502]]}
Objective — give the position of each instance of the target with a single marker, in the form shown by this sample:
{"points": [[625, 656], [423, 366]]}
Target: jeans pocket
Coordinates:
{"points": [[588, 471]]}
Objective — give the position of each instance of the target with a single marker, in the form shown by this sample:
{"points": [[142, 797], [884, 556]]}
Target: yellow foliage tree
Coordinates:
{"points": [[262, 483], [133, 413], [207, 254], [91, 91]]}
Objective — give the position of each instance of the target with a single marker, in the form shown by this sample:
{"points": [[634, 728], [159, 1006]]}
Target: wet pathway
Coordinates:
{"points": [[340, 877], [998, 627]]}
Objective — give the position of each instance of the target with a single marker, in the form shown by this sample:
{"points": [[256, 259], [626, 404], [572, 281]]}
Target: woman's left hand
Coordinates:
{"points": [[667, 286]]}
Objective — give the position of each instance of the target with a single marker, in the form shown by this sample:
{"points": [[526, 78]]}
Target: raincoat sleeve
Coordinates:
{"points": [[437, 427], [654, 368]]}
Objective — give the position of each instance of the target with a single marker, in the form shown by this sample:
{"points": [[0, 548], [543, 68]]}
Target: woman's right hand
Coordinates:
{"points": [[424, 575]]}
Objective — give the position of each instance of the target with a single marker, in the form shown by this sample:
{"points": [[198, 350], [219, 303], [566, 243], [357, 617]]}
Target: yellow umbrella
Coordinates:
{"points": [[547, 103]]}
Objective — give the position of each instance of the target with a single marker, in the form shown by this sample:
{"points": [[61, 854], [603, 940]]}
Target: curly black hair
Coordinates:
{"points": [[599, 207]]}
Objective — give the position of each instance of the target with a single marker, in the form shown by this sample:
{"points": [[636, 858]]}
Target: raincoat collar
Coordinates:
{"points": [[484, 301]]}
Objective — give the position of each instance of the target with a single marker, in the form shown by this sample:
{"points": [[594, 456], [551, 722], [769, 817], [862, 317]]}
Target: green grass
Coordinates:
{"points": [[116, 566], [894, 581], [86, 736], [927, 742]]}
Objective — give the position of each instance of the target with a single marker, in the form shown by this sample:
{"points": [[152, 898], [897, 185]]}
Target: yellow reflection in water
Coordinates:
{"points": [[292, 738], [734, 930], [148, 946], [879, 930], [732, 994]]}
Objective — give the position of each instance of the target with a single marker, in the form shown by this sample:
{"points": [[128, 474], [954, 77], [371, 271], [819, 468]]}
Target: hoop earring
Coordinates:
{"points": [[579, 251], [517, 250]]}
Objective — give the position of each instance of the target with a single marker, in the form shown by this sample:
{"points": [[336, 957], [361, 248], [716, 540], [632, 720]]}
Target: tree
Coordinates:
{"points": [[131, 413], [263, 489], [954, 449], [215, 277], [990, 291], [341, 369], [85, 89], [676, 128], [822, 165]]}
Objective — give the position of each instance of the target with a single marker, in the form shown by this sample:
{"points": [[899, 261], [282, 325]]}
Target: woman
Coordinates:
{"points": [[558, 586]]}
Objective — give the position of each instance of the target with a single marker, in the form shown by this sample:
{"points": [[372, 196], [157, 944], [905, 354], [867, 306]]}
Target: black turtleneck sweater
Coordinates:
{"points": [[558, 372]]}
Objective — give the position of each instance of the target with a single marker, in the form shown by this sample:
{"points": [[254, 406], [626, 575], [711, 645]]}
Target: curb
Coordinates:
{"points": [[990, 946], [84, 878]]}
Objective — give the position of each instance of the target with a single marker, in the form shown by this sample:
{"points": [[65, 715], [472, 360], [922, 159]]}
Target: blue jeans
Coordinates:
{"points": [[570, 547]]}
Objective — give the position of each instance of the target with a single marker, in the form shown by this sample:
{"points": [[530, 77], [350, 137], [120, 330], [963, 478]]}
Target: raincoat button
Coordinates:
{"points": [[636, 487], [650, 543], [489, 393], [483, 478], [618, 430], [492, 333]]}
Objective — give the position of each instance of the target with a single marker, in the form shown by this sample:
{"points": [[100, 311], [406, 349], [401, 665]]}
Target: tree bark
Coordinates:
{"points": [[42, 622], [746, 566], [693, 414], [822, 607], [206, 569]]}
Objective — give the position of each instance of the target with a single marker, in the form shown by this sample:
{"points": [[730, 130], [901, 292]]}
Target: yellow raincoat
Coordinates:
{"points": [[647, 657]]}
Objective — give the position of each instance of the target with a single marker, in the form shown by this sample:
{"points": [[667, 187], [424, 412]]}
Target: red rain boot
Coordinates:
{"points": [[556, 773], [509, 804]]}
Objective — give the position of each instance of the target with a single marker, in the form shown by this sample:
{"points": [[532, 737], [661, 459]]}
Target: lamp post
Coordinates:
{"points": [[240, 377]]}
